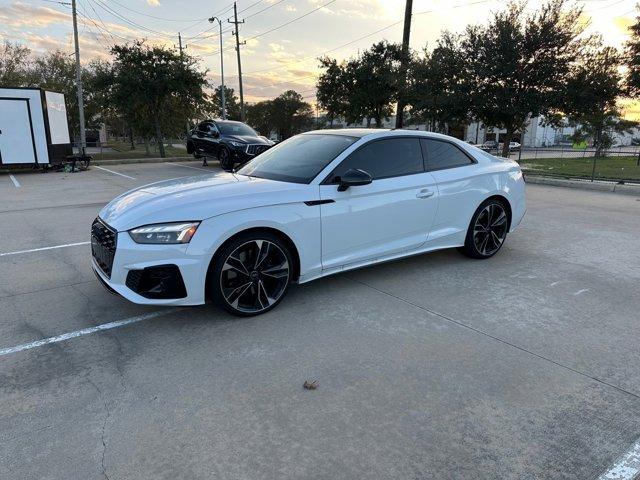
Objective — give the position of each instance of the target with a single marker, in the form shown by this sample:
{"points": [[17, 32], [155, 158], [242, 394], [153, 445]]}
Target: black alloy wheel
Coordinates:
{"points": [[251, 275], [487, 231], [224, 157]]}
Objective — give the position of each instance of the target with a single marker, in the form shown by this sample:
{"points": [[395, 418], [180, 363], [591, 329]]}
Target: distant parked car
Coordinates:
{"points": [[513, 146], [488, 145], [230, 142]]}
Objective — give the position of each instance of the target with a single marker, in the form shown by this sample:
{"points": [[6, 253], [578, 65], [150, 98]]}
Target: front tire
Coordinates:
{"points": [[224, 157], [487, 231], [251, 274]]}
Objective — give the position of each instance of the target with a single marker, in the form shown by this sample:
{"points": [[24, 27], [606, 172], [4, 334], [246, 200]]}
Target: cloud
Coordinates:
{"points": [[20, 15], [153, 3], [290, 8]]}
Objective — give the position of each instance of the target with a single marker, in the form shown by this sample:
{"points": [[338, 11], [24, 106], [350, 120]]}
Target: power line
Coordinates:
{"points": [[264, 9], [131, 22], [90, 3], [156, 17], [291, 21], [357, 39], [247, 17], [279, 26], [250, 6], [477, 2]]}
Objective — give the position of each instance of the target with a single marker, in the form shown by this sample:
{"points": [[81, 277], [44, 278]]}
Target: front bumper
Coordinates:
{"points": [[247, 152], [134, 257]]}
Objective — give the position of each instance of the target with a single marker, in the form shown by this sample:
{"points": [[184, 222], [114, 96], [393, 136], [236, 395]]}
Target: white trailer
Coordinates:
{"points": [[33, 127]]}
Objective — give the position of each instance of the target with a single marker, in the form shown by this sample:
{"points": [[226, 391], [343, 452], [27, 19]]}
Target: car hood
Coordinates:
{"points": [[250, 139], [199, 197]]}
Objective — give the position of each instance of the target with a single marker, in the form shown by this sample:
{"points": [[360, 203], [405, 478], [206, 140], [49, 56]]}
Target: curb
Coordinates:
{"points": [[627, 189], [125, 161]]}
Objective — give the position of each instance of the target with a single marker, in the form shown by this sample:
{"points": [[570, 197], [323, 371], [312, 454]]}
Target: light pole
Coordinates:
{"points": [[83, 138], [211, 20]]}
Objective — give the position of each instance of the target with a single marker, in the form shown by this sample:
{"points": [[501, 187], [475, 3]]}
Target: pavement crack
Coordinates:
{"points": [[498, 339], [104, 428]]}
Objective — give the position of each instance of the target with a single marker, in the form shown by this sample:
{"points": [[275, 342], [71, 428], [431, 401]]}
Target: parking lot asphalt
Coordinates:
{"points": [[523, 366]]}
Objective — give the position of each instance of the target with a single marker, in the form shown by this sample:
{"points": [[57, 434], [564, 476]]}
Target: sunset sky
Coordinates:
{"points": [[272, 61]]}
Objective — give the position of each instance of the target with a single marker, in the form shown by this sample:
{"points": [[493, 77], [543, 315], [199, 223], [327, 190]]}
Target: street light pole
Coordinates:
{"points": [[222, 92], [83, 137]]}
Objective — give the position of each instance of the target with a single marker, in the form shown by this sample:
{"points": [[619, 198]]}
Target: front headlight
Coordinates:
{"points": [[166, 233], [237, 144]]}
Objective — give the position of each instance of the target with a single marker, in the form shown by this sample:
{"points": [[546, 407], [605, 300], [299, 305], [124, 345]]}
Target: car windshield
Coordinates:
{"points": [[235, 128], [299, 159]]}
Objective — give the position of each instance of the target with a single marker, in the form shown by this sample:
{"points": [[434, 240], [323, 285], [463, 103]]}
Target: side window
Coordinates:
{"points": [[440, 155], [203, 127], [385, 158]]}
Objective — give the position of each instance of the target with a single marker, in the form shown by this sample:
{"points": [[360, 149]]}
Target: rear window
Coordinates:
{"points": [[440, 155]]}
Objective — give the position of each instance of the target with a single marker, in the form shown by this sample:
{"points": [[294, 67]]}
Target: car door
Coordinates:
{"points": [[460, 186], [392, 214], [213, 139], [210, 139], [199, 136]]}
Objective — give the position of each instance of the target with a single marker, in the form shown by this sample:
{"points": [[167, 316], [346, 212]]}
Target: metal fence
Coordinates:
{"points": [[618, 164], [121, 149]]}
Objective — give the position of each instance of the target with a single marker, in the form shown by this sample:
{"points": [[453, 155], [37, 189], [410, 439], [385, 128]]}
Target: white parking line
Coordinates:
{"points": [[15, 181], [115, 173], [44, 248], [84, 331], [189, 166], [627, 467]]}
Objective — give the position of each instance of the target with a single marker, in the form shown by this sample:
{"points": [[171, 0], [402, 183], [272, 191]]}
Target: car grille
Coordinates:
{"points": [[103, 245], [256, 149]]}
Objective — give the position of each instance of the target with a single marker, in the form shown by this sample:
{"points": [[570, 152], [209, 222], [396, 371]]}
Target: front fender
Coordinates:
{"points": [[299, 222]]}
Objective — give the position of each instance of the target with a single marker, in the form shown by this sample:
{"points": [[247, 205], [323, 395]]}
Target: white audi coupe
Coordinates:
{"points": [[316, 204]]}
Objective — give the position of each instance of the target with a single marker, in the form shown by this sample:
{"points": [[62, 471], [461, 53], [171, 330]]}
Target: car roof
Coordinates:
{"points": [[349, 132], [217, 120], [382, 133]]}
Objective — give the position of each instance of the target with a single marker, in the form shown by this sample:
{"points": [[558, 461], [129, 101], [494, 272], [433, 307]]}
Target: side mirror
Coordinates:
{"points": [[215, 134], [352, 178]]}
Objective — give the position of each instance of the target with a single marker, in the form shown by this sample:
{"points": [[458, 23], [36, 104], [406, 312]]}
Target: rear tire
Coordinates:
{"points": [[487, 230], [250, 274]]}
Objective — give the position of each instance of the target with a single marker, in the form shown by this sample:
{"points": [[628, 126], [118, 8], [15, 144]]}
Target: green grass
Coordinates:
{"points": [[122, 150], [613, 168]]}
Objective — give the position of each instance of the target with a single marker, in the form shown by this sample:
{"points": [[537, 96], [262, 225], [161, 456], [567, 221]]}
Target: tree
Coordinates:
{"points": [[56, 71], [592, 91], [632, 59], [259, 116], [14, 65], [287, 115], [291, 114], [332, 93], [364, 87], [520, 62], [439, 87], [231, 104], [155, 88]]}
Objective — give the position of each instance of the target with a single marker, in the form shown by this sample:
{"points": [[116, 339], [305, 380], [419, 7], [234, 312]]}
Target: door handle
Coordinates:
{"points": [[425, 193]]}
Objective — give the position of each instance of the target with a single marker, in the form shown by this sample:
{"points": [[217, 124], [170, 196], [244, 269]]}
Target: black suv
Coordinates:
{"points": [[230, 142]]}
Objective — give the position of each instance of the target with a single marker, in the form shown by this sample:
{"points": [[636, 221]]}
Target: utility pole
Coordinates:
{"points": [[222, 92], [83, 137], [186, 122], [238, 43], [404, 66]]}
